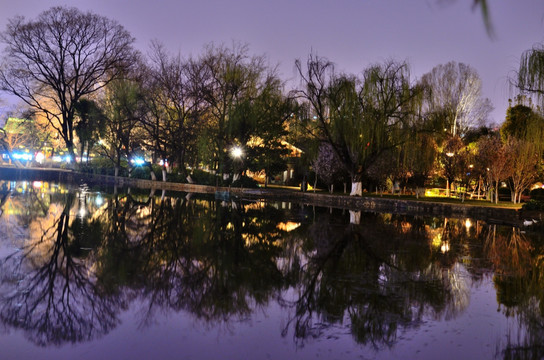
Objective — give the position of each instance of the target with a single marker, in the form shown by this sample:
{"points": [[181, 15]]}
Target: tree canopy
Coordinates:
{"points": [[51, 62]]}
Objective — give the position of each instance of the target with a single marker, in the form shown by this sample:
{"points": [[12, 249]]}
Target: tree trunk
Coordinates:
{"points": [[356, 188]]}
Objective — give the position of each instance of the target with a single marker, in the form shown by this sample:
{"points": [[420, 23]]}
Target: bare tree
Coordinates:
{"points": [[454, 90], [174, 110], [52, 62]]}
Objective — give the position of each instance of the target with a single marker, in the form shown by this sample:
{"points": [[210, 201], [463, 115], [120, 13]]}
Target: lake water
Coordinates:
{"points": [[89, 274]]}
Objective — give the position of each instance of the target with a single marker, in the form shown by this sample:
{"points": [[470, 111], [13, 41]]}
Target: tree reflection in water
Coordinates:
{"points": [[380, 275], [46, 287], [83, 262], [519, 279]]}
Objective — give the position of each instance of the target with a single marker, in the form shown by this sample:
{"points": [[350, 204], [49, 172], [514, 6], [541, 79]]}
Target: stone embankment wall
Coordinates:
{"points": [[378, 204]]}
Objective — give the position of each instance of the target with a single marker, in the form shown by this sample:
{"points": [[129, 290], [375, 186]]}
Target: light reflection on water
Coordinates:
{"points": [[87, 274]]}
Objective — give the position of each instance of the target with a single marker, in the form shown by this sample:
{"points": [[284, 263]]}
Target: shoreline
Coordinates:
{"points": [[491, 214]]}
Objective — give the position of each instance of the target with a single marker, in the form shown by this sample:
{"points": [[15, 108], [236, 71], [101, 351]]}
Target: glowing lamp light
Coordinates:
{"points": [[236, 152]]}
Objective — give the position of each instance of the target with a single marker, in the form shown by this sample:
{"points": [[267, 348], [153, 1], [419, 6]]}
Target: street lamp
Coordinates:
{"points": [[236, 152]]}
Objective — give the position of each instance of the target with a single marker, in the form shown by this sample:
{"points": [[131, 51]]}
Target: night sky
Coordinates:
{"points": [[352, 33]]}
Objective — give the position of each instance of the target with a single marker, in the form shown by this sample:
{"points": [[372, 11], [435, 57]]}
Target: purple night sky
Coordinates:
{"points": [[351, 33]]}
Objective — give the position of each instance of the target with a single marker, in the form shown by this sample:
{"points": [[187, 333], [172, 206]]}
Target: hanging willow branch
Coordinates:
{"points": [[531, 71]]}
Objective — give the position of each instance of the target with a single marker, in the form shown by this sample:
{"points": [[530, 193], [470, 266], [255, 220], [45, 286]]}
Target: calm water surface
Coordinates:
{"points": [[87, 274]]}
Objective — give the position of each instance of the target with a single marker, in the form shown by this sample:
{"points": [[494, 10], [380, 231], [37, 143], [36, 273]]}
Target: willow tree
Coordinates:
{"points": [[64, 55], [361, 118], [530, 81], [531, 71]]}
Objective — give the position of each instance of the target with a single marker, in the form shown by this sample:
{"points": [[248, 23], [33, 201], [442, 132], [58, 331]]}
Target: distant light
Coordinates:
{"points": [[99, 200], [449, 154], [138, 161], [39, 157], [68, 159], [468, 224], [22, 156], [37, 184]]}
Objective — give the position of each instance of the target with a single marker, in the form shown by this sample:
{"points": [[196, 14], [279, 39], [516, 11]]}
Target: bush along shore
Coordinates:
{"points": [[376, 203]]}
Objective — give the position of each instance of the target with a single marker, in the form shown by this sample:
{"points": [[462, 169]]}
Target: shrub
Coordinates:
{"points": [[537, 194], [141, 172], [203, 177], [535, 205], [103, 166]]}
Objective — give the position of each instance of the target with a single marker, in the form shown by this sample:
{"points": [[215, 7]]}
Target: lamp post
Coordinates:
{"points": [[450, 156]]}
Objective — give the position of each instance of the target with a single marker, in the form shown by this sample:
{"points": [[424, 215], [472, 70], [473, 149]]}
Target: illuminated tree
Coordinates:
{"points": [[453, 160], [494, 157], [523, 132], [52, 62], [454, 90]]}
